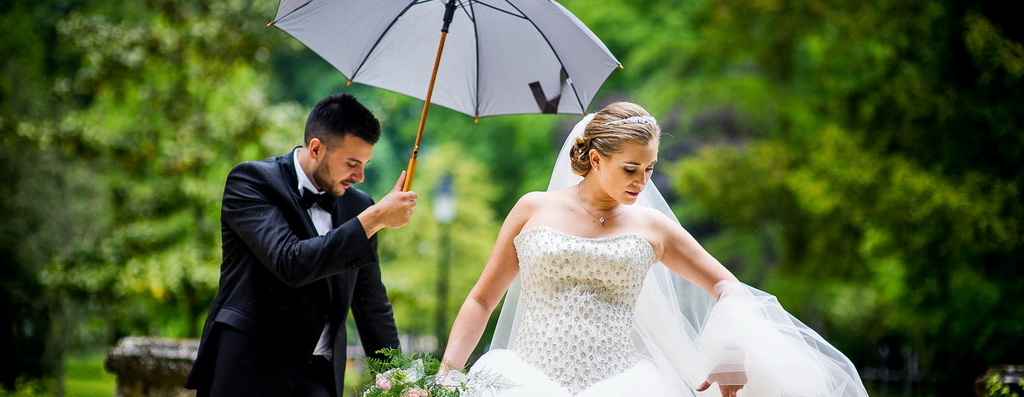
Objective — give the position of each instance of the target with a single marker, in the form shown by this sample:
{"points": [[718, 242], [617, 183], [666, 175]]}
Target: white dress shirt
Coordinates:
{"points": [[322, 221]]}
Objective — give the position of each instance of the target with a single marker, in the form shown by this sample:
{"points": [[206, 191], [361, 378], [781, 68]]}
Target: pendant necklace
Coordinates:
{"points": [[599, 218]]}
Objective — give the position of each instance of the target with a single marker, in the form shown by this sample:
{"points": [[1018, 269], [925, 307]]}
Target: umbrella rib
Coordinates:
{"points": [[470, 15], [274, 22], [381, 37], [467, 8], [521, 15], [476, 46], [562, 64]]}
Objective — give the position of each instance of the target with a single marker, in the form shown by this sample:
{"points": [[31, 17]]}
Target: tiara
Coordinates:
{"points": [[634, 120]]}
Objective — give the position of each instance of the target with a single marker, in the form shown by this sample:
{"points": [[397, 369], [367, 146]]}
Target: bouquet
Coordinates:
{"points": [[416, 375]]}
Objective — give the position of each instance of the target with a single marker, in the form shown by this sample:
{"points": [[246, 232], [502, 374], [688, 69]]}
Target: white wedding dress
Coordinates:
{"points": [[594, 317], [578, 296], [577, 331]]}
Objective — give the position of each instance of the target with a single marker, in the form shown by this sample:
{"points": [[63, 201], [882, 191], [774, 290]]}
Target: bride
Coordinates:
{"points": [[607, 294]]}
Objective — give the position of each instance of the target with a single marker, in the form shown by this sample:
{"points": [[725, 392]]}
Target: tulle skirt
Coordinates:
{"points": [[643, 379], [746, 337]]}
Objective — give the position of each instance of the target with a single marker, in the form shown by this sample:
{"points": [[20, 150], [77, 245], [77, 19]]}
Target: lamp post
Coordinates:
{"points": [[444, 213]]}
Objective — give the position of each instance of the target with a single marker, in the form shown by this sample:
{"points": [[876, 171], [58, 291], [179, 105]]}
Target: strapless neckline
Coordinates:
{"points": [[538, 228], [578, 296]]}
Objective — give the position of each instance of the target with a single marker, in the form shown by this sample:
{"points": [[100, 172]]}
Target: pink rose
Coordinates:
{"points": [[382, 382], [415, 392]]}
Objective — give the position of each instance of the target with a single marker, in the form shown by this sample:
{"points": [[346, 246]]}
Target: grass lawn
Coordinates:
{"points": [[85, 376]]}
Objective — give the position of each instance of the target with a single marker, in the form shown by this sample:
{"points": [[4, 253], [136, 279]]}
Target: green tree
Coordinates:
{"points": [[170, 101], [34, 210], [859, 159], [412, 256], [165, 98]]}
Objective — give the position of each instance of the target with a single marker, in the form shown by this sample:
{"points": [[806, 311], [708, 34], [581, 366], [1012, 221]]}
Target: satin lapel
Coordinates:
{"points": [[339, 215], [287, 167], [288, 175]]}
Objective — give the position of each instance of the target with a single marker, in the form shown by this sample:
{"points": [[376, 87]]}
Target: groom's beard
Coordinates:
{"points": [[321, 178]]}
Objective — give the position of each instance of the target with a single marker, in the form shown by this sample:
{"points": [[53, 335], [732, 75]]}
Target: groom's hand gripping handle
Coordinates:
{"points": [[409, 174], [392, 211]]}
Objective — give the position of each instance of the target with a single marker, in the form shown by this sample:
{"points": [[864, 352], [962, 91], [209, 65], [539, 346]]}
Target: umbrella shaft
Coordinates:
{"points": [[411, 170]]}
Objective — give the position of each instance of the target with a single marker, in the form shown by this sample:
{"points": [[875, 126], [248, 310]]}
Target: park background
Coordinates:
{"points": [[861, 160]]}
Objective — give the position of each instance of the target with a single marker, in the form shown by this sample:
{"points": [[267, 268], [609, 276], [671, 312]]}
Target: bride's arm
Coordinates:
{"points": [[683, 255], [498, 274]]}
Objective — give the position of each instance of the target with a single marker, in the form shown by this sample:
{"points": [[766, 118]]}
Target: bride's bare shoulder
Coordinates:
{"points": [[537, 200], [538, 204], [657, 220]]}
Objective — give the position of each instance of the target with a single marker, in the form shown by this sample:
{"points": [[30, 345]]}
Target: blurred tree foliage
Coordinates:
{"points": [[34, 184], [861, 160], [165, 101], [137, 113]]}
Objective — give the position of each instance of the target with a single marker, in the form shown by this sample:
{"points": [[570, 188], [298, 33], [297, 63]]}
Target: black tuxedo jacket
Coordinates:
{"points": [[280, 283]]}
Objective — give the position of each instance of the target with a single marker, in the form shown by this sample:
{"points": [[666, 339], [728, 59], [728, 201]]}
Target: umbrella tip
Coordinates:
{"points": [[476, 119], [621, 67], [271, 24], [348, 83]]}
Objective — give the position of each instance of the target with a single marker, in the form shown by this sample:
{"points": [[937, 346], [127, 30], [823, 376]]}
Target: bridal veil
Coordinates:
{"points": [[689, 334]]}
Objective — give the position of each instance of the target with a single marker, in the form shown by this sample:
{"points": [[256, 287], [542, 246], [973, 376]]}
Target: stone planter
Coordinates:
{"points": [[152, 367]]}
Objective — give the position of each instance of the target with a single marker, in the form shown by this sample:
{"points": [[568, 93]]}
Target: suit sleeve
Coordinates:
{"points": [[372, 312], [256, 213]]}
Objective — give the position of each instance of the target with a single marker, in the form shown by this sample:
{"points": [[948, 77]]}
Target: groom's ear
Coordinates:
{"points": [[316, 148]]}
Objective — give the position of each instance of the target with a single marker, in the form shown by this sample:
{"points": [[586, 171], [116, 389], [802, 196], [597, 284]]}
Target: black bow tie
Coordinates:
{"points": [[325, 200]]}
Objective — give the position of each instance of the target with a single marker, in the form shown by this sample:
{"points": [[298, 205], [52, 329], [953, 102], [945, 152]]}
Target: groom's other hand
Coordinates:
{"points": [[392, 211]]}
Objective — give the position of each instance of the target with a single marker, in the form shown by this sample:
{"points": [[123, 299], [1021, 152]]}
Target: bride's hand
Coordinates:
{"points": [[727, 390], [449, 376], [445, 368]]}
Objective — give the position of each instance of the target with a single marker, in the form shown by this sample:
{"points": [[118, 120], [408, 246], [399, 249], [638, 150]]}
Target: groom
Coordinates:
{"points": [[299, 251]]}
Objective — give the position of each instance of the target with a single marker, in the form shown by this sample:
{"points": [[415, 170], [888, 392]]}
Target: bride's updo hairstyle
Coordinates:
{"points": [[610, 128]]}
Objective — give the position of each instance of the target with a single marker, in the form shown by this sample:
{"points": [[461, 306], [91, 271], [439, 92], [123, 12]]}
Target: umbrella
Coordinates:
{"points": [[503, 57]]}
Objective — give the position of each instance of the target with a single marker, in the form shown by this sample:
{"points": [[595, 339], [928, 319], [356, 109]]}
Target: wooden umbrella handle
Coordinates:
{"points": [[409, 171]]}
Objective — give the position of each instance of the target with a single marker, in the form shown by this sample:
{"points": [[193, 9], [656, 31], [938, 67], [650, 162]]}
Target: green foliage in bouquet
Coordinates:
{"points": [[416, 375]]}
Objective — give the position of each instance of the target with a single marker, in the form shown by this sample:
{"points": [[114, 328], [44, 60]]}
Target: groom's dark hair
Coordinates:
{"points": [[338, 115]]}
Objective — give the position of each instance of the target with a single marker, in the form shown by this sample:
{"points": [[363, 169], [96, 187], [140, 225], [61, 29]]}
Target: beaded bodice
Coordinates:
{"points": [[577, 301]]}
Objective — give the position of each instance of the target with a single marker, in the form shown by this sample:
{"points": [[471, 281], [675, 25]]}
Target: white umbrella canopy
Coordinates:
{"points": [[500, 56]]}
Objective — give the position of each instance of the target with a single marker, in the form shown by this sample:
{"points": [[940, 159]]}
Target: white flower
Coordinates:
{"points": [[397, 376], [453, 379], [413, 373]]}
